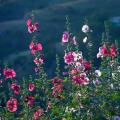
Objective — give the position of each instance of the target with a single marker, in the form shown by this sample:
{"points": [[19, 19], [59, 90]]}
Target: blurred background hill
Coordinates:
{"points": [[14, 38]]}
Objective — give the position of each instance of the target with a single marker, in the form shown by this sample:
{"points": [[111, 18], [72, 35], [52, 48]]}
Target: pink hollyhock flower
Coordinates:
{"points": [[102, 51], [65, 37], [30, 100], [29, 22], [74, 40], [58, 88], [36, 26], [34, 47], [31, 87], [12, 105], [9, 73], [113, 51], [38, 61], [38, 113], [55, 80], [32, 27], [87, 65], [16, 88], [80, 79], [70, 57]]}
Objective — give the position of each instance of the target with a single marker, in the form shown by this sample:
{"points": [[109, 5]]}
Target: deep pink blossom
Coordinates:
{"points": [[31, 87], [16, 88], [55, 80], [65, 37], [113, 51], [12, 105], [32, 27], [34, 47], [102, 51], [58, 88], [9, 73], [80, 79], [87, 65], [38, 113], [29, 22], [30, 100], [70, 57]]}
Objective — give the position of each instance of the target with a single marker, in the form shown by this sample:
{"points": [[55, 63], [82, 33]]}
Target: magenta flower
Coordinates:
{"points": [[38, 113], [30, 100], [32, 27], [34, 47], [81, 79], [87, 65], [31, 87], [9, 73], [16, 88], [58, 88], [12, 105], [113, 51], [65, 37], [70, 57], [102, 51]]}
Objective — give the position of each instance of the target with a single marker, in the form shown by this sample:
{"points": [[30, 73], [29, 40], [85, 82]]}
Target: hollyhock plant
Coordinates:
{"points": [[87, 91], [65, 37], [31, 87], [16, 88], [9, 73], [34, 47], [12, 105]]}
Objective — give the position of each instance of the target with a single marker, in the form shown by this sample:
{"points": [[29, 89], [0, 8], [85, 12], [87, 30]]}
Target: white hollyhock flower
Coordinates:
{"points": [[72, 110], [98, 73], [85, 40], [118, 68], [85, 29], [111, 86]]}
